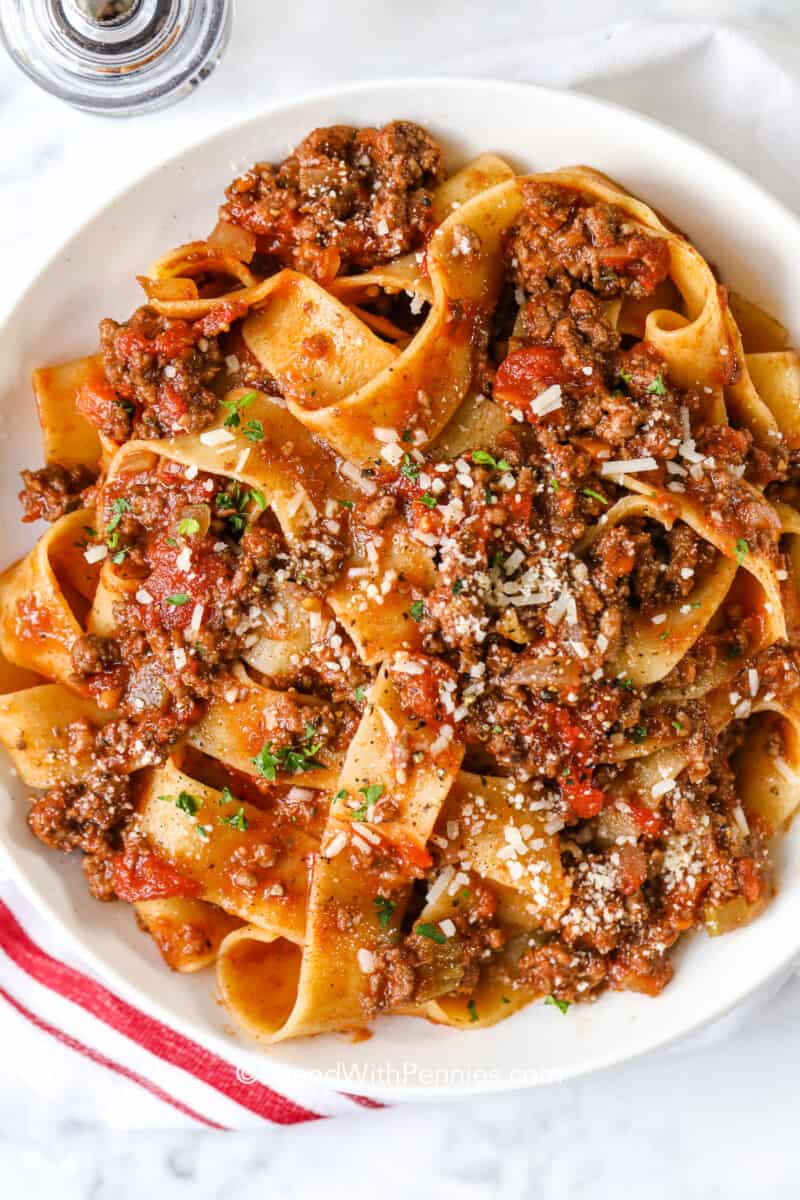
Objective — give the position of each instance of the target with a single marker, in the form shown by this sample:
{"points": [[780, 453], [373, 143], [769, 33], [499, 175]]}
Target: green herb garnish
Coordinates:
{"points": [[188, 526], [561, 1005], [384, 909], [178, 598], [293, 759], [742, 548], [185, 801], [254, 431], [119, 507], [409, 468], [587, 491], [657, 388], [428, 500], [236, 820], [430, 931], [235, 407], [484, 459], [416, 611]]}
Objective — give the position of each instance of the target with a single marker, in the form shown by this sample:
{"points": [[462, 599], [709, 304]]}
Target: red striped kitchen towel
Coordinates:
{"points": [[64, 1030]]}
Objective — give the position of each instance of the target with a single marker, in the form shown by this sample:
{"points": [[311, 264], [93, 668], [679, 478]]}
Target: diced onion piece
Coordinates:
{"points": [[195, 512], [169, 289], [234, 240]]}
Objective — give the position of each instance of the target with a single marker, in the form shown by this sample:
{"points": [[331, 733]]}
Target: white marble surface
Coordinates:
{"points": [[714, 1122]]}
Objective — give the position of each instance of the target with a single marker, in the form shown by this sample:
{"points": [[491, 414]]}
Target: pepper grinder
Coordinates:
{"points": [[116, 57]]}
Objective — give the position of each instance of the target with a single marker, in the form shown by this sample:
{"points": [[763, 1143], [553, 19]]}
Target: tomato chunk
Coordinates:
{"points": [[525, 374], [141, 874]]}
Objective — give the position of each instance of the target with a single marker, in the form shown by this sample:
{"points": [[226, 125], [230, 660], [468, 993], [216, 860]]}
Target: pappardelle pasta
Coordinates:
{"points": [[416, 630]]}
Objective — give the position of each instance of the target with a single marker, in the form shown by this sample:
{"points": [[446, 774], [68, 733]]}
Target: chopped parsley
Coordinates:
{"points": [[484, 459], [428, 500], [384, 910], [473, 1012], [409, 468], [406, 435], [233, 503], [625, 376], [657, 388], [235, 408], [430, 931], [293, 759], [587, 491], [742, 548], [360, 694], [227, 797], [677, 726], [119, 507], [458, 587], [188, 526], [554, 484], [561, 1005], [346, 503], [203, 831], [254, 431], [236, 820], [185, 801], [416, 611], [639, 733], [178, 598], [372, 793]]}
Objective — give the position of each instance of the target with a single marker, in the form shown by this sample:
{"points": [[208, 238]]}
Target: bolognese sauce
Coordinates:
{"points": [[513, 650]]}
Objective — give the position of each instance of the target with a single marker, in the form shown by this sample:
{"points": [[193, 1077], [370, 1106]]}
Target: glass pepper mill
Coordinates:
{"points": [[116, 57]]}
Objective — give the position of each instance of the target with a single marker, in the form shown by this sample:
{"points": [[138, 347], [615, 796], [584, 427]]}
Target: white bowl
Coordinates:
{"points": [[756, 244]]}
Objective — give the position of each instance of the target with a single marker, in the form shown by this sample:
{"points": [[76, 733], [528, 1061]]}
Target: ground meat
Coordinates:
{"points": [[163, 368], [560, 237], [393, 979], [91, 654], [344, 199], [378, 511], [52, 491], [88, 816], [563, 972], [421, 969], [652, 565], [99, 872]]}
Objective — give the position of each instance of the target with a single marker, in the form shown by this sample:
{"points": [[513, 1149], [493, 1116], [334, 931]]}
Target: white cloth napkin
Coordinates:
{"points": [[65, 1033]]}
